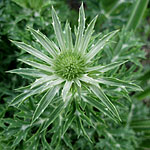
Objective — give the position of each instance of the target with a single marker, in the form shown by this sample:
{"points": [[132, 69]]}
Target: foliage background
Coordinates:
{"points": [[134, 132]]}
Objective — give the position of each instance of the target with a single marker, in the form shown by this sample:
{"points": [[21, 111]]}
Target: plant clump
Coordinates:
{"points": [[70, 78]]}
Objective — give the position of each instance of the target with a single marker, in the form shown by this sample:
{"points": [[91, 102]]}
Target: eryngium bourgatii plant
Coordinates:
{"points": [[68, 76]]}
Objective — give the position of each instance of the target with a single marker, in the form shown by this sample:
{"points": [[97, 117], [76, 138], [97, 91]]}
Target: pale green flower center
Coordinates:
{"points": [[69, 65]]}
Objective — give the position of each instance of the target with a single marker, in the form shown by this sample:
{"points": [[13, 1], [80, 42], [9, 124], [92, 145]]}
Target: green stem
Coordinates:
{"points": [[137, 14]]}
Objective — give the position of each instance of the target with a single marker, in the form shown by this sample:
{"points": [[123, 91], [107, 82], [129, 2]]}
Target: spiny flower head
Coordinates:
{"points": [[68, 71], [69, 65]]}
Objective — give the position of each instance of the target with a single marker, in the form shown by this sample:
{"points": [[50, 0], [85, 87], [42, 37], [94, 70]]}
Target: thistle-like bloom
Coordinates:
{"points": [[67, 74]]}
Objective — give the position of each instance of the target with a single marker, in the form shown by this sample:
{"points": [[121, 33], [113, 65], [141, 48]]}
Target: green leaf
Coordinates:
{"points": [[68, 122], [81, 26], [123, 92], [96, 117], [95, 103], [45, 144], [144, 94], [88, 80], [44, 41], [35, 4], [21, 3], [100, 94], [56, 82], [55, 46], [19, 136], [116, 82], [67, 140], [141, 125], [54, 114], [68, 35], [17, 123], [43, 80], [83, 130], [37, 65], [78, 82], [35, 136], [58, 30], [106, 68], [34, 142], [66, 89], [28, 72], [55, 136], [29, 92], [44, 102], [87, 35], [99, 45], [33, 52], [84, 117]]}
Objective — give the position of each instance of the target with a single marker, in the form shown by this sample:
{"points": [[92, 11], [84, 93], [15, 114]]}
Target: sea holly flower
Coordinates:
{"points": [[67, 75]]}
